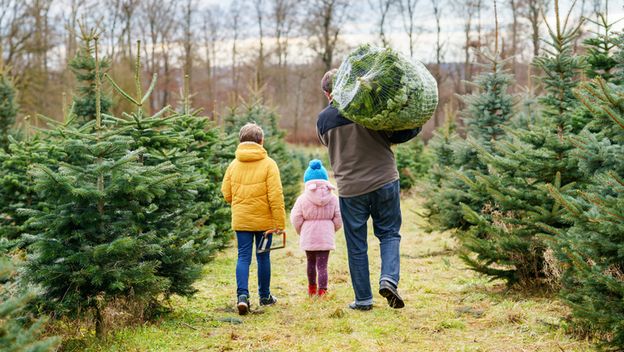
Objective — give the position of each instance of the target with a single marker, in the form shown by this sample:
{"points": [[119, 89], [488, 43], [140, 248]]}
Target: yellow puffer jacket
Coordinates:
{"points": [[253, 186]]}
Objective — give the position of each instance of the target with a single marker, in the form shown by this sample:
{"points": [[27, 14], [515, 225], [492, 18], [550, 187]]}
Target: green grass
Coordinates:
{"points": [[448, 308]]}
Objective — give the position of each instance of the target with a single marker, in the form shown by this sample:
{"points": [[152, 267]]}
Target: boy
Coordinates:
{"points": [[252, 185]]}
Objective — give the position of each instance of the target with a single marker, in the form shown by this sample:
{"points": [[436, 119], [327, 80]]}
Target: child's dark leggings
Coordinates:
{"points": [[317, 261]]}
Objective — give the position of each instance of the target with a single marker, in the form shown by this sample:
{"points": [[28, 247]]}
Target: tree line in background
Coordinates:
{"points": [[535, 192], [278, 47]]}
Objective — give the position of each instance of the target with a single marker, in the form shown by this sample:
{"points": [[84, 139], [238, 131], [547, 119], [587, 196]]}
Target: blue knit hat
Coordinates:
{"points": [[315, 171]]}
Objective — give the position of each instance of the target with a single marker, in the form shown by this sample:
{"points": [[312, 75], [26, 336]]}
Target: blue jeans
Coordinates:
{"points": [[384, 206], [246, 242]]}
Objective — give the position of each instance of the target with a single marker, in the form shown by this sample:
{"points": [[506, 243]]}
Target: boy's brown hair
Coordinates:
{"points": [[251, 132], [327, 83]]}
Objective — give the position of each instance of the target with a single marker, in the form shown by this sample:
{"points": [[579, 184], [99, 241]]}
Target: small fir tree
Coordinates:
{"points": [[19, 332], [83, 67], [488, 110], [8, 108], [592, 250], [97, 239], [17, 186], [413, 162], [507, 235]]}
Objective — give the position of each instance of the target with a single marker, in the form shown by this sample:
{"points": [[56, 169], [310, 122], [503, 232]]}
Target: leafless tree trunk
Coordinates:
{"points": [[14, 34], [534, 11], [381, 9], [284, 14], [158, 24], [235, 29], [408, 10], [466, 10], [513, 4], [187, 37], [128, 7], [260, 11], [324, 27], [211, 25], [439, 47]]}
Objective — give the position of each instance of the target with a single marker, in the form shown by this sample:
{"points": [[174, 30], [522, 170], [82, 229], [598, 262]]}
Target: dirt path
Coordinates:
{"points": [[448, 309]]}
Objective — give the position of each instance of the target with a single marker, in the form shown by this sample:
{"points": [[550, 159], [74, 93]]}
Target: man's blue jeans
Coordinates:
{"points": [[384, 206], [246, 246]]}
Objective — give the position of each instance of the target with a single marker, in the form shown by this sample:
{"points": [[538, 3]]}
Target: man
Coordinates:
{"points": [[368, 184]]}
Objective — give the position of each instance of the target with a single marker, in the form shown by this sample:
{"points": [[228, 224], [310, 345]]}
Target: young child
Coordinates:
{"points": [[316, 217], [252, 185]]}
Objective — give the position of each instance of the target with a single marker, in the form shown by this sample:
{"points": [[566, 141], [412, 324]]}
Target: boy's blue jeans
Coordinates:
{"points": [[384, 206], [246, 243]]}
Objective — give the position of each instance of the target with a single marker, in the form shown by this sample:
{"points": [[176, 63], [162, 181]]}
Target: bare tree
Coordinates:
{"points": [[188, 10], [381, 9], [514, 6], [157, 23], [439, 47], [260, 12], [534, 10], [210, 28], [324, 27], [408, 11], [467, 10], [128, 7], [14, 33], [284, 13], [235, 31]]}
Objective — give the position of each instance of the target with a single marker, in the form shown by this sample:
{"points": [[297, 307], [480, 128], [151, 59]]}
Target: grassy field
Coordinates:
{"points": [[448, 308]]}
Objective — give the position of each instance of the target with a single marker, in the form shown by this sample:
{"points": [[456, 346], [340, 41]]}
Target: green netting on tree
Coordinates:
{"points": [[382, 89]]}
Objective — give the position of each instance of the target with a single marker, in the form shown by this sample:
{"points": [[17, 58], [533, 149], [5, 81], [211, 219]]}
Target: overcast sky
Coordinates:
{"points": [[362, 26]]}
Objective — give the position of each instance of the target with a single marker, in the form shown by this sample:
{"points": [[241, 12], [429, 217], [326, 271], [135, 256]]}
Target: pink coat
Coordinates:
{"points": [[316, 216]]}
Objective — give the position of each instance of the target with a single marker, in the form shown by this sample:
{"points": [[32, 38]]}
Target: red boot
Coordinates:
{"points": [[322, 292], [311, 290]]}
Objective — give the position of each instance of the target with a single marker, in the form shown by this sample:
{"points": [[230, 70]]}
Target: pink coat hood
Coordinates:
{"points": [[316, 216]]}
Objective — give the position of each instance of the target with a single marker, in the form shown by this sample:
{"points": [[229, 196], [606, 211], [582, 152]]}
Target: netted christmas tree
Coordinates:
{"points": [[19, 331], [506, 239], [287, 160], [83, 67], [592, 250]]}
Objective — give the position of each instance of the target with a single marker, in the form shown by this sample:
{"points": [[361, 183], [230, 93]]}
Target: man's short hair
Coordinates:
{"points": [[327, 83], [251, 132]]}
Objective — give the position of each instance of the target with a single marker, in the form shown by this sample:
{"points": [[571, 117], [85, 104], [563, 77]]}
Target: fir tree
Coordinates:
{"points": [[97, 239], [507, 235], [17, 187], [19, 332], [443, 154], [488, 110], [592, 250], [8, 108], [206, 140], [413, 162], [83, 67], [290, 167]]}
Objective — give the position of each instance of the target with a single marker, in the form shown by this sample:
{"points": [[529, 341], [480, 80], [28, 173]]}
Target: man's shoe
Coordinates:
{"points": [[268, 301], [387, 290], [356, 306], [243, 305]]}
